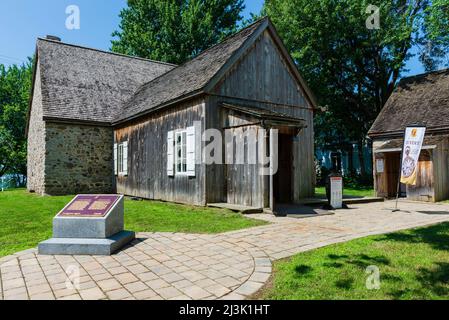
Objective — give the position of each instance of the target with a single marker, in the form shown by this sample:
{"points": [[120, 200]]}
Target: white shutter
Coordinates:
{"points": [[190, 144], [115, 159], [125, 158], [170, 153]]}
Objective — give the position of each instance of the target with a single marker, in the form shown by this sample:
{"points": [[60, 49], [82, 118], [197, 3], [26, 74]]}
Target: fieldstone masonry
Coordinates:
{"points": [[79, 159], [36, 141]]}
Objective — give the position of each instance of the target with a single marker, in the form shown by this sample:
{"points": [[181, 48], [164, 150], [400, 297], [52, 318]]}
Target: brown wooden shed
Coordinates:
{"points": [[419, 100]]}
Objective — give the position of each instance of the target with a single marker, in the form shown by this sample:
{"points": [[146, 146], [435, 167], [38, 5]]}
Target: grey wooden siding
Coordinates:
{"points": [[441, 170], [263, 79], [245, 186], [263, 75], [147, 157]]}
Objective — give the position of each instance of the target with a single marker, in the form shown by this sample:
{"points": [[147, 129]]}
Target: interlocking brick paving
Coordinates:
{"points": [[230, 265]]}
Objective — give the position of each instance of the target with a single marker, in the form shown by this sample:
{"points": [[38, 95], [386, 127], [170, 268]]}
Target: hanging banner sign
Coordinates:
{"points": [[413, 140]]}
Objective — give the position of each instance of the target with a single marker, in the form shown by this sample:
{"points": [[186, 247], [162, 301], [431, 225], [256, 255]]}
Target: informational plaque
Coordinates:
{"points": [[336, 186], [89, 225], [379, 165], [89, 206]]}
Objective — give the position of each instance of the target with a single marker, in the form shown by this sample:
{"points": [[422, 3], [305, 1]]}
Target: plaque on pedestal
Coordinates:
{"points": [[89, 225]]}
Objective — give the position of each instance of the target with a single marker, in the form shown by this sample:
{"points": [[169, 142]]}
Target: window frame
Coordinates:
{"points": [[183, 158], [120, 163]]}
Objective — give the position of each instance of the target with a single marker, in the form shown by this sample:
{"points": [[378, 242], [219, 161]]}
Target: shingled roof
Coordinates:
{"points": [[187, 79], [421, 99], [87, 84], [83, 84]]}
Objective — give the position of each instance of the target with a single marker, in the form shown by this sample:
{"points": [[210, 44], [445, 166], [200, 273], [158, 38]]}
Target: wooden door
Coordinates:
{"points": [[283, 177]]}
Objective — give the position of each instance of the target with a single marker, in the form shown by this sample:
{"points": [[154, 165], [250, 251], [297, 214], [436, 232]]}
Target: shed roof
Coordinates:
{"points": [[265, 114], [421, 99], [395, 145], [86, 84]]}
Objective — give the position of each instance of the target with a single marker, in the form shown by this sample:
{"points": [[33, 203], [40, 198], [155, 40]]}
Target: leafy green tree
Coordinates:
{"points": [[174, 30], [351, 68], [15, 87]]}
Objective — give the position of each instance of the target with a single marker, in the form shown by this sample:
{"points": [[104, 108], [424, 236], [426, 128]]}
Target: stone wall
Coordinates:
{"points": [[67, 158], [79, 159], [36, 141]]}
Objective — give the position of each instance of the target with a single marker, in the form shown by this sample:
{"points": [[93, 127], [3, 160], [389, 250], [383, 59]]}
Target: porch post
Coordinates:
{"points": [[272, 160]]}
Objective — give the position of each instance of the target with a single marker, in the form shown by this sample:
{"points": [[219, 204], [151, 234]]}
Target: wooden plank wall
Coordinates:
{"points": [[263, 79], [424, 189], [385, 184], [245, 186], [147, 157], [441, 170]]}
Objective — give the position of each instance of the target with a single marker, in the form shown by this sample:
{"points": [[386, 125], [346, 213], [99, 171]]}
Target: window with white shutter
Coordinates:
{"points": [[125, 158], [190, 150], [170, 153]]}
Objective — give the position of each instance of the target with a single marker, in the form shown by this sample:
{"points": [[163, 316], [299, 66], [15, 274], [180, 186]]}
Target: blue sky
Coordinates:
{"points": [[22, 21]]}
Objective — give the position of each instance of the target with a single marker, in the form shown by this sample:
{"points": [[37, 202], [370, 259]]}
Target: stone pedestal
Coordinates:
{"points": [[89, 225]]}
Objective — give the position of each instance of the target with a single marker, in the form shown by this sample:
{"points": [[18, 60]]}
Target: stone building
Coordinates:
{"points": [[76, 93], [101, 122]]}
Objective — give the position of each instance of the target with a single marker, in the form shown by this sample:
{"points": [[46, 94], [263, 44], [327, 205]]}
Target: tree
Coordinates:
{"points": [[351, 68], [174, 30], [15, 88]]}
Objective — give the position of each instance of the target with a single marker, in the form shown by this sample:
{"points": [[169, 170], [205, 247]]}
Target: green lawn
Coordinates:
{"points": [[26, 219], [362, 192], [413, 264]]}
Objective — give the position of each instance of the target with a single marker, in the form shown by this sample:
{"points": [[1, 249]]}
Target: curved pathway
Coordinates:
{"points": [[230, 265]]}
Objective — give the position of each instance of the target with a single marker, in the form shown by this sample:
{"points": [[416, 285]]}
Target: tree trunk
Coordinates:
{"points": [[361, 159]]}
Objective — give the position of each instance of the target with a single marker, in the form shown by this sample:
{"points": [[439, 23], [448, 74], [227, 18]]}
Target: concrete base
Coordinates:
{"points": [[76, 246]]}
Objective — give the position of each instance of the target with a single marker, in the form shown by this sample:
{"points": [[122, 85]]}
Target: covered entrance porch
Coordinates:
{"points": [[264, 176]]}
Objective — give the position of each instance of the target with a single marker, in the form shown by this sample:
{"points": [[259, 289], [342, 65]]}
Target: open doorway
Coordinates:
{"points": [[393, 162], [282, 180]]}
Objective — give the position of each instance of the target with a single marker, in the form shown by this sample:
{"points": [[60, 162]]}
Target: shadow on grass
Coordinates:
{"points": [[436, 236], [431, 280], [361, 260], [435, 279], [345, 284], [302, 269]]}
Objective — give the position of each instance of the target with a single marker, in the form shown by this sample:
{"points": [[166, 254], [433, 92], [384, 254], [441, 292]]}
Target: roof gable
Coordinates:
{"points": [[263, 73], [187, 79], [89, 85], [201, 74], [422, 99]]}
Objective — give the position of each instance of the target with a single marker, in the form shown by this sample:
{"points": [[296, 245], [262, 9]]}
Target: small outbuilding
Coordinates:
{"points": [[418, 100]]}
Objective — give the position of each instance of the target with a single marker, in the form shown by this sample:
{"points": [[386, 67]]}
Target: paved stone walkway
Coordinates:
{"points": [[230, 265]]}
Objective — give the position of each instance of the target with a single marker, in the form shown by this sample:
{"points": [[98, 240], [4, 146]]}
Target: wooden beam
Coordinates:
{"points": [[272, 161]]}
